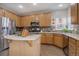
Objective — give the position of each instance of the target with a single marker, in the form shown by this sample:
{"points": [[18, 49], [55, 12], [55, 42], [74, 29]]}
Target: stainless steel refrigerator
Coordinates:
{"points": [[7, 26]]}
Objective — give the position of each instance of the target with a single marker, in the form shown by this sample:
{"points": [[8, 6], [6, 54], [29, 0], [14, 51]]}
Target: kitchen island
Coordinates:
{"points": [[24, 46]]}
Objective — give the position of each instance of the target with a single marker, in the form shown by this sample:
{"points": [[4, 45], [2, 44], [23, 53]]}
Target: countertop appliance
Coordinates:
{"points": [[34, 27], [7, 26]]}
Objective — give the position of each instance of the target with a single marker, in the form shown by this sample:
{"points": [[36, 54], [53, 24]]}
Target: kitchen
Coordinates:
{"points": [[39, 29]]}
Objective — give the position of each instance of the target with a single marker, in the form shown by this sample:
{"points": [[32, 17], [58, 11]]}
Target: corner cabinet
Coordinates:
{"points": [[73, 47]]}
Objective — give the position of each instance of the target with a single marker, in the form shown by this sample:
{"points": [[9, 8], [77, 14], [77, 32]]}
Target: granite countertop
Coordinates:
{"points": [[30, 37], [36, 35], [72, 35]]}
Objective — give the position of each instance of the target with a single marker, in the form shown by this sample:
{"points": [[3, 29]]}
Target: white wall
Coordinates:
{"points": [[64, 15], [60, 13]]}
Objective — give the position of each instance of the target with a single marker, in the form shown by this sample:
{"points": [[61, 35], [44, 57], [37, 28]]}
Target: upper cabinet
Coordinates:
{"points": [[78, 13], [12, 16], [23, 20], [75, 14], [43, 18], [1, 12], [18, 21]]}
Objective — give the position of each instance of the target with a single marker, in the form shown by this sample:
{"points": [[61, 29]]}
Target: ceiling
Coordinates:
{"points": [[29, 8]]}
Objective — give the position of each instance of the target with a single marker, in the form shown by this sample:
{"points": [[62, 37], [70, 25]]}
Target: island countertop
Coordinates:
{"points": [[29, 37], [24, 46]]}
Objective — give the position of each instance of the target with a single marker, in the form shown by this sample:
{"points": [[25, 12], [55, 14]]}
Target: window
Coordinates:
{"points": [[61, 23]]}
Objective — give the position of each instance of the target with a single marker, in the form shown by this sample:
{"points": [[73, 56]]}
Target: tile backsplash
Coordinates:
{"points": [[75, 28]]}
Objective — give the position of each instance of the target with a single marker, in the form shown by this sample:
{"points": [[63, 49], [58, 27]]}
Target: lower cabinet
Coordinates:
{"points": [[55, 39], [72, 47], [43, 38], [59, 40], [50, 39], [47, 38], [77, 48]]}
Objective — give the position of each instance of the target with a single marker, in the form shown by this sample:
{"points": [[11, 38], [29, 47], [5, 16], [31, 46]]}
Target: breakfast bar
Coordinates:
{"points": [[24, 46]]}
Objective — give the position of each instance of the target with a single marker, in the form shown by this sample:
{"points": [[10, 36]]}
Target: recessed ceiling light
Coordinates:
{"points": [[34, 3], [20, 6], [60, 5]]}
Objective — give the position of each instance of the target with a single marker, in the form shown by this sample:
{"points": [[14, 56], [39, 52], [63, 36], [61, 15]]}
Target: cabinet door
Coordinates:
{"points": [[78, 13], [47, 19], [23, 22], [43, 38], [58, 40], [77, 53], [41, 19], [74, 14], [8, 14], [44, 19], [1, 12], [66, 41], [49, 37], [18, 24], [72, 47]]}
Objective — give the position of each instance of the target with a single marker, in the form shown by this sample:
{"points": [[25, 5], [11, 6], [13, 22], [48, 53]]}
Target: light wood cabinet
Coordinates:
{"points": [[77, 48], [8, 14], [78, 13], [65, 41], [72, 47], [50, 39], [12, 16], [75, 13], [44, 19], [1, 12], [55, 39], [59, 40], [23, 21], [18, 21], [47, 38], [43, 38]]}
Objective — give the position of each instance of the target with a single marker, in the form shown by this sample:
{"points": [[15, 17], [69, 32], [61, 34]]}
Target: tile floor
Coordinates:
{"points": [[46, 50]]}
